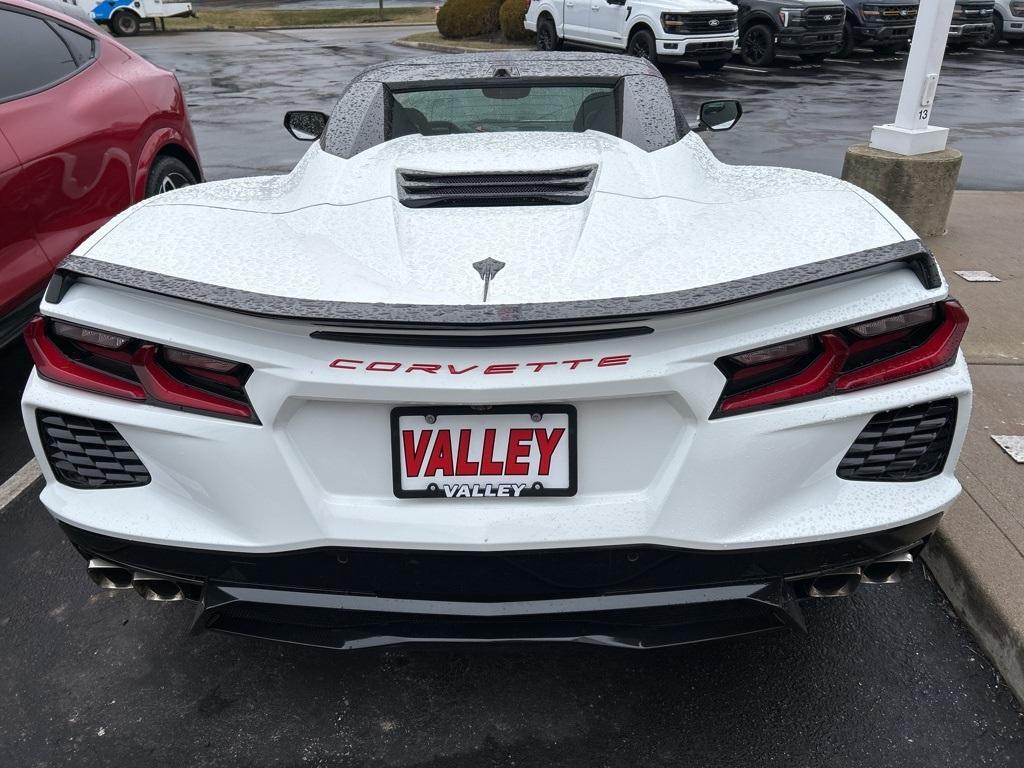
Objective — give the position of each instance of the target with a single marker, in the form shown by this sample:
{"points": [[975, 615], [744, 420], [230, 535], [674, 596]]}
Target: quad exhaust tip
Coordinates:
{"points": [[841, 583], [153, 587], [150, 586], [889, 570], [109, 575]]}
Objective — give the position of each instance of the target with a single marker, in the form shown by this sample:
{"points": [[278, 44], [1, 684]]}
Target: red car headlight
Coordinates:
{"points": [[131, 369], [866, 354]]}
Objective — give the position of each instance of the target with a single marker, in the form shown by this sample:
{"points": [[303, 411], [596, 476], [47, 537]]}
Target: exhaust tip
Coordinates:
{"points": [[157, 588], [888, 570], [109, 575], [835, 584]]}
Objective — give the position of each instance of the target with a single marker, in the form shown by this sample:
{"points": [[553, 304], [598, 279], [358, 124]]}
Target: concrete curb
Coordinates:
{"points": [[447, 48], [972, 573]]}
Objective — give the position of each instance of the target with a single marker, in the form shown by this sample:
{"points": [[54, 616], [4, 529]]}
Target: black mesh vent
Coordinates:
{"points": [[908, 444], [85, 453], [418, 189]]}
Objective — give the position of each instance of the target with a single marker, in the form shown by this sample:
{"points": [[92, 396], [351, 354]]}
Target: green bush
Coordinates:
{"points": [[511, 18], [468, 18]]}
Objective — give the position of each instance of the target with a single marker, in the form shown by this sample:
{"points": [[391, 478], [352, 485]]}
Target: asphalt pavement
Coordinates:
{"points": [[89, 678], [888, 677]]}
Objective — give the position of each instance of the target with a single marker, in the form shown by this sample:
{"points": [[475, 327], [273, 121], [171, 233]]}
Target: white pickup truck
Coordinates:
{"points": [[704, 31]]}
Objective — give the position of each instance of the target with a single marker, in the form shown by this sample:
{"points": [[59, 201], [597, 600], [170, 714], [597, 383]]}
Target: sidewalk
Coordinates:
{"points": [[977, 555]]}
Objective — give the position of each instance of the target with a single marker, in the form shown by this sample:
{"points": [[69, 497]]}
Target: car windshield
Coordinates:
{"points": [[572, 108]]}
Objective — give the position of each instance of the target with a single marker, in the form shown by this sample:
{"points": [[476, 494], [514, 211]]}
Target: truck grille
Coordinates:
{"points": [[976, 12], [906, 444], [706, 24], [85, 453], [896, 14], [419, 189], [824, 18]]}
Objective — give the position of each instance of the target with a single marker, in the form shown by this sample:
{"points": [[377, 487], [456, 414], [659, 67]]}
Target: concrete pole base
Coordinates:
{"points": [[918, 187]]}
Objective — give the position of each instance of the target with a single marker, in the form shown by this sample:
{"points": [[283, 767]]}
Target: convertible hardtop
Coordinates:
{"points": [[649, 119]]}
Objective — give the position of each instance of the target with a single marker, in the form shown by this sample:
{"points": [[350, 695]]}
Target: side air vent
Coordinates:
{"points": [[86, 453], [907, 444], [421, 189]]}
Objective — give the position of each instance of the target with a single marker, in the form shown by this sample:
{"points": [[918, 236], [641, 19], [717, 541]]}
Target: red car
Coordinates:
{"points": [[87, 127]]}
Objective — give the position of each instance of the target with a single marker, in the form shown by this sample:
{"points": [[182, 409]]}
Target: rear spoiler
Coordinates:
{"points": [[911, 254]]}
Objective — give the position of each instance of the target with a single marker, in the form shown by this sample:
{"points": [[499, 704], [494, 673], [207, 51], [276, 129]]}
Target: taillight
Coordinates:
{"points": [[866, 354], [121, 366]]}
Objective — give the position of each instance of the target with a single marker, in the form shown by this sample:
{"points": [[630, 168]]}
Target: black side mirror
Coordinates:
{"points": [[305, 125], [719, 115]]}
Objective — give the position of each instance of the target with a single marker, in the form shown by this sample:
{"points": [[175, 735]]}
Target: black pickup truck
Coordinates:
{"points": [[884, 26], [813, 29]]}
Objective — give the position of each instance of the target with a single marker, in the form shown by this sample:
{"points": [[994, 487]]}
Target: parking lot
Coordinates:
{"points": [[800, 115], [888, 677]]}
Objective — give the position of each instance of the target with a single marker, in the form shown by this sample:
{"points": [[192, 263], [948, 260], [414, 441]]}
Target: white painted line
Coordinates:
{"points": [[1013, 445], [843, 61], [18, 482], [987, 50], [977, 276], [745, 69]]}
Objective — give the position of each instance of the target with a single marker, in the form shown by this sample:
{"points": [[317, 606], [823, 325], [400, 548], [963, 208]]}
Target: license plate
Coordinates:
{"points": [[497, 452]]}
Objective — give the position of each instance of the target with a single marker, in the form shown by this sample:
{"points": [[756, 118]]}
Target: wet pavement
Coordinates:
{"points": [[799, 115], [885, 678], [90, 678]]}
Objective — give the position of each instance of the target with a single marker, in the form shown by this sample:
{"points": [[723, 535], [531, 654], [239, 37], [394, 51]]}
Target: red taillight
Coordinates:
{"points": [[866, 354], [55, 365], [120, 366]]}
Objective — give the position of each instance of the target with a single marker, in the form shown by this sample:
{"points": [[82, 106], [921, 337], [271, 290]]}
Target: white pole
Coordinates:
{"points": [[911, 134]]}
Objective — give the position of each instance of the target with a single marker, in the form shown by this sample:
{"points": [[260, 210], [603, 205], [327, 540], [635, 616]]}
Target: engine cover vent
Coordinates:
{"points": [[568, 186]]}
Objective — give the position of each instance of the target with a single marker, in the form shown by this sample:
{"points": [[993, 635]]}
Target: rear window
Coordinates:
{"points": [[567, 108]]}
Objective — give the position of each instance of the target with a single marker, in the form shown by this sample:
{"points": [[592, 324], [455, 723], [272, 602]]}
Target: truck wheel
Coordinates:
{"points": [[712, 65], [166, 174], [547, 35], [996, 35], [125, 24], [757, 46], [642, 45], [849, 41]]}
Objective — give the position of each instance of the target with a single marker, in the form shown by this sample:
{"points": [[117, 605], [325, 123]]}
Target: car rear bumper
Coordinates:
{"points": [[636, 597]]}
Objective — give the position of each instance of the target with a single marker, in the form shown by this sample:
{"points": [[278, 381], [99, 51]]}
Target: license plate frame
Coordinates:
{"points": [[478, 411]]}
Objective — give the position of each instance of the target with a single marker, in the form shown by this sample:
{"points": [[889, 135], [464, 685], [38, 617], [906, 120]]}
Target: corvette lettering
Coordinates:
{"points": [[486, 369]]}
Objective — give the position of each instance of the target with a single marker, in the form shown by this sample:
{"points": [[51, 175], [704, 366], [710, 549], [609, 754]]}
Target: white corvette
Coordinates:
{"points": [[508, 355]]}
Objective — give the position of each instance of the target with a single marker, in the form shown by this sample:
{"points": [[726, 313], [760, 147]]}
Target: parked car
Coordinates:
{"points": [[884, 26], [508, 355], [665, 31], [86, 129], [811, 28], [1008, 22]]}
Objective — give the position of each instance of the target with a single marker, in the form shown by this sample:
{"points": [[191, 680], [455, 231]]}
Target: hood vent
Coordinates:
{"points": [[568, 186]]}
